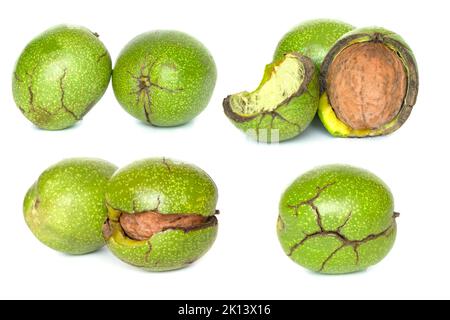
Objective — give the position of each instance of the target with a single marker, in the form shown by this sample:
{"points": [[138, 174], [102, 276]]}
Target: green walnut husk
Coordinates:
{"points": [[161, 214], [60, 76], [369, 84], [164, 78], [282, 106], [65, 208], [337, 219], [312, 38]]}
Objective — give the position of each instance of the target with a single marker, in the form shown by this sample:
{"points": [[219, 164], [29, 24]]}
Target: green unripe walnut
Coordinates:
{"points": [[60, 76], [65, 208], [312, 38], [164, 78], [161, 214], [337, 219], [282, 106]]}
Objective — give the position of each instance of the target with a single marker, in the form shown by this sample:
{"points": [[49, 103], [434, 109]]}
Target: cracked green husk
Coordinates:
{"points": [[337, 219], [393, 41], [164, 78], [65, 208], [166, 187], [312, 38], [60, 76], [283, 105]]}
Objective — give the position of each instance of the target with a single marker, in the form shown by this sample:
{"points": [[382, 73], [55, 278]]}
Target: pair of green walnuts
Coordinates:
{"points": [[363, 82], [156, 214], [165, 78], [160, 214]]}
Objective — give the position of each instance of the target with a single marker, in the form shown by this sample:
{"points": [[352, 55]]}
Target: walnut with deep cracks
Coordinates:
{"points": [[143, 226], [367, 84]]}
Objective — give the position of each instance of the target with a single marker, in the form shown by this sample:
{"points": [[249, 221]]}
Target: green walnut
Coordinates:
{"points": [[312, 38], [164, 78], [337, 219], [161, 214], [369, 83], [282, 106], [60, 76], [65, 209]]}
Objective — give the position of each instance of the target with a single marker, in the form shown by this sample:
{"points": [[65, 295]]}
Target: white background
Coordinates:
{"points": [[246, 261]]}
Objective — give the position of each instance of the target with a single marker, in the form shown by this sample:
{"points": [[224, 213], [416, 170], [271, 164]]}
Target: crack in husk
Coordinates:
{"points": [[337, 234], [145, 86], [274, 115], [103, 55], [44, 114], [147, 254], [311, 203], [63, 95], [166, 163]]}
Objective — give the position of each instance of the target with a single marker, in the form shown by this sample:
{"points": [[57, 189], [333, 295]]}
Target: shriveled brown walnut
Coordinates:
{"points": [[367, 85], [142, 226]]}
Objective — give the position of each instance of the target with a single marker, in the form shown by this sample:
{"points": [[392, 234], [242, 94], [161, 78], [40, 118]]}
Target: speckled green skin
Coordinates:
{"points": [[165, 78], [65, 208], [312, 38], [287, 121], [165, 187], [337, 219], [60, 76]]}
